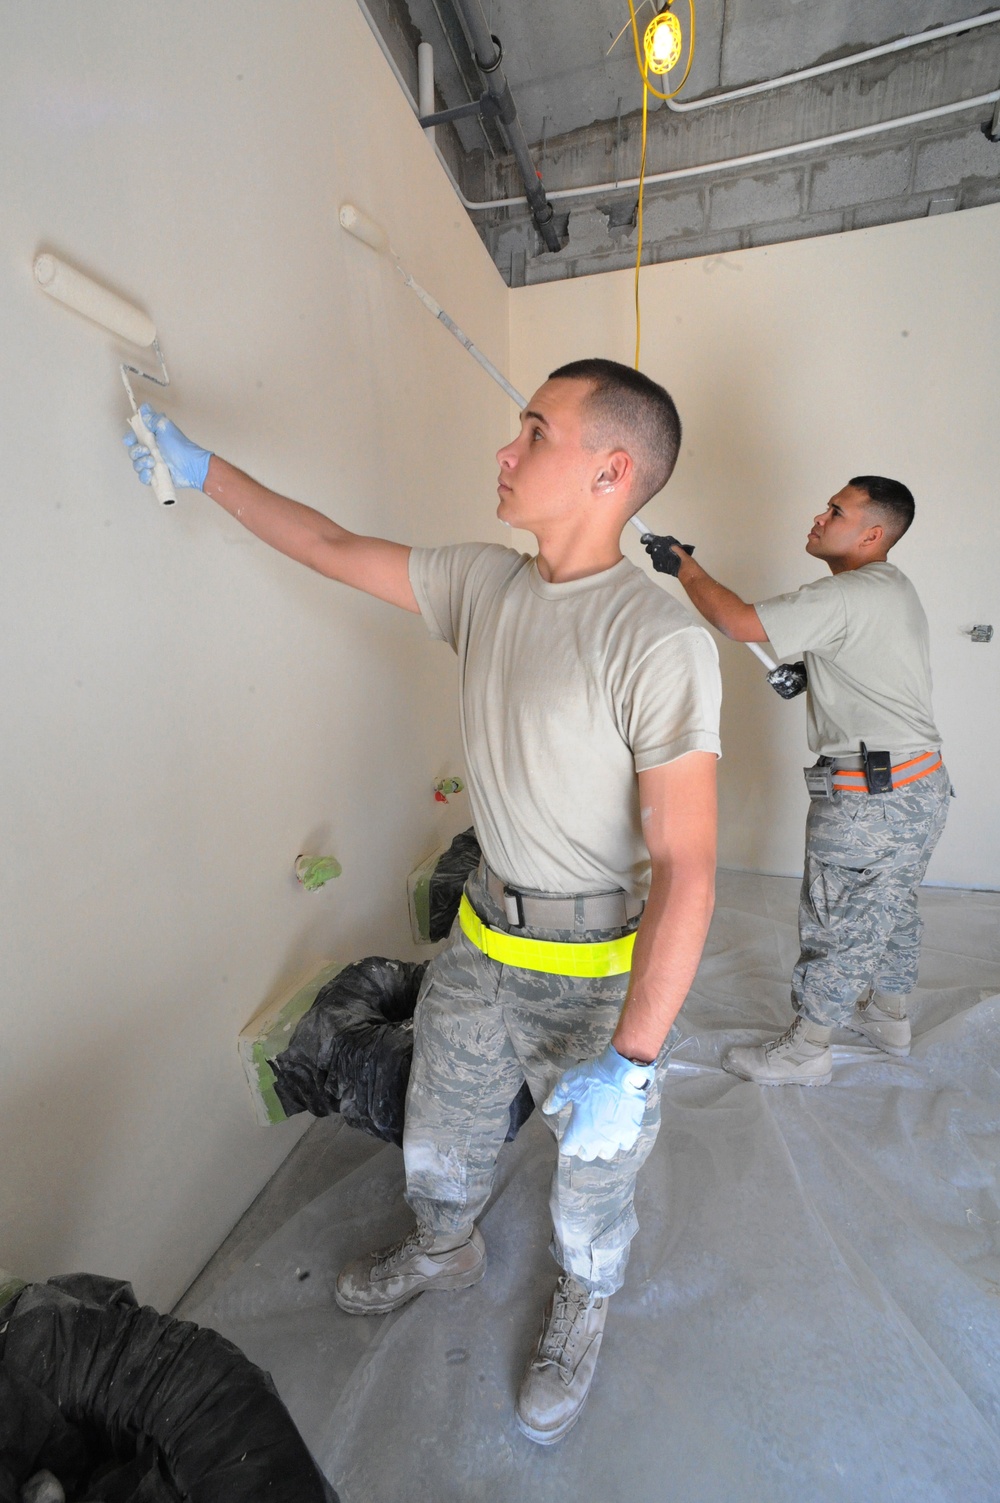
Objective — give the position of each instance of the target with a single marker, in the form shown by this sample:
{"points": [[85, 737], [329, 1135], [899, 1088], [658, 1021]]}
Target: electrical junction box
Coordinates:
{"points": [[267, 1035]]}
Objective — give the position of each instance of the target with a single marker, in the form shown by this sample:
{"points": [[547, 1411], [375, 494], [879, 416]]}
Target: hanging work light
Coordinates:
{"points": [[662, 41]]}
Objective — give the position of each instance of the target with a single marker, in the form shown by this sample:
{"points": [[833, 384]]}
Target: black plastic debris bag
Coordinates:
{"points": [[351, 1052], [457, 863], [125, 1405]]}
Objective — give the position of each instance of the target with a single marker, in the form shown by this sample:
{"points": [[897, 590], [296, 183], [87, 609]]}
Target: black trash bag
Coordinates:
{"points": [[351, 1052], [444, 889], [153, 1410], [34, 1437]]}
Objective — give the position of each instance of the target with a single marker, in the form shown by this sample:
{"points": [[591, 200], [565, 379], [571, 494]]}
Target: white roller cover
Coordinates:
{"points": [[363, 228], [71, 287]]}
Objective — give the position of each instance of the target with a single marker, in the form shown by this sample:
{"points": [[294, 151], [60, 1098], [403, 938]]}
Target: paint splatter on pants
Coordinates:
{"points": [[866, 855], [481, 1029]]}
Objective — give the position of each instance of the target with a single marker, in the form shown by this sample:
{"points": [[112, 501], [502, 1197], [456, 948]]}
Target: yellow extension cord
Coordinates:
{"points": [[643, 62]]}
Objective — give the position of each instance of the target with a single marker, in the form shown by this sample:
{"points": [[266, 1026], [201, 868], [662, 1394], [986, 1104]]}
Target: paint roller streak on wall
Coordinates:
{"points": [[76, 291]]}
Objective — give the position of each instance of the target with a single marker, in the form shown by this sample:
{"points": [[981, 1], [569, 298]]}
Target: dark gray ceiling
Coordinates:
{"points": [[579, 108]]}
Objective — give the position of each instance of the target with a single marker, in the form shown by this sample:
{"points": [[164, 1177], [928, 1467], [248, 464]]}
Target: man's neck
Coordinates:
{"points": [[846, 565], [562, 569], [576, 553]]}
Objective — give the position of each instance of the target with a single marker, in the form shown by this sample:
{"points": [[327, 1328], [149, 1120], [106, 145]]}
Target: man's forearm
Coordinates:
{"points": [[667, 951], [286, 525], [375, 565], [720, 606]]}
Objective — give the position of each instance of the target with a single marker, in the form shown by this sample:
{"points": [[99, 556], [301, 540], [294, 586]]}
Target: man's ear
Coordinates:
{"points": [[872, 538], [615, 472]]}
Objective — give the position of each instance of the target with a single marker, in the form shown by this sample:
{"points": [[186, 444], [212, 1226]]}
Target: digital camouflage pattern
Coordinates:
{"points": [[482, 1028], [866, 855]]}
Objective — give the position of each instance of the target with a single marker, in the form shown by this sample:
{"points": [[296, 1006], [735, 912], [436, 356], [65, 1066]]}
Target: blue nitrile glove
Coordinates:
{"points": [[661, 551], [608, 1096], [188, 465]]}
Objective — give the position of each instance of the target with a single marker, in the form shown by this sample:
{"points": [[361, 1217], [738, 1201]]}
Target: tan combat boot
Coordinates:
{"points": [[800, 1056], [558, 1377], [389, 1277], [881, 1019]]}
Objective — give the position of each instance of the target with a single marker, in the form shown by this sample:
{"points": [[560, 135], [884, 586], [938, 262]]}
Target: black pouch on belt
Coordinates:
{"points": [[878, 770]]}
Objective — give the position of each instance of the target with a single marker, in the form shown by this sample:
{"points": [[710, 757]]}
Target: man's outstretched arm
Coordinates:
{"points": [[378, 567], [723, 608], [375, 565]]}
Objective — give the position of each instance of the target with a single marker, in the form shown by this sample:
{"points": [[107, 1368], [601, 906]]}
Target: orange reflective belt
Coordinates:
{"points": [[862, 786]]}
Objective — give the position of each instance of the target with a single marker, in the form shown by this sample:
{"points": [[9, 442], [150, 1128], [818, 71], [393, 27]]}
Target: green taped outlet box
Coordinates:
{"points": [[267, 1035], [418, 897], [10, 1286]]}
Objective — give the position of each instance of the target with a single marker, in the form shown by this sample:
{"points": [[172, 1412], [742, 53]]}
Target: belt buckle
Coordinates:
{"points": [[513, 908]]}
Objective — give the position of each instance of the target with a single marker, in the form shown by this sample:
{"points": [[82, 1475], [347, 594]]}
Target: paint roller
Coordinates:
{"points": [[787, 679], [101, 306]]}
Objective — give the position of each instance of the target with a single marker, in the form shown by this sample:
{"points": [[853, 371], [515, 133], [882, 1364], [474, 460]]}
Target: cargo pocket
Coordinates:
{"points": [[609, 1250]]}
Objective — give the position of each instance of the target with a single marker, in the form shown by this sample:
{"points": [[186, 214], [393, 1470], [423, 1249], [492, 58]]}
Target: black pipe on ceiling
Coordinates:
{"points": [[488, 56]]}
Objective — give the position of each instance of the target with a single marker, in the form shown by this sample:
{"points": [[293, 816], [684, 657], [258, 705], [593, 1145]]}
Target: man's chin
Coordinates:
{"points": [[506, 513]]}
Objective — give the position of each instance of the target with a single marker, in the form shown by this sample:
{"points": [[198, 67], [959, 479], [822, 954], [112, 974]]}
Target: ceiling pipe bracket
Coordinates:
{"points": [[486, 106]]}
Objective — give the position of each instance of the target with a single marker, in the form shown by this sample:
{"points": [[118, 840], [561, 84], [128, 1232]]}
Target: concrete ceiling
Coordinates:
{"points": [[579, 103]]}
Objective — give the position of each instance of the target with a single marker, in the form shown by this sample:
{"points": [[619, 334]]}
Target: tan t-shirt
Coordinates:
{"points": [[566, 692], [866, 646]]}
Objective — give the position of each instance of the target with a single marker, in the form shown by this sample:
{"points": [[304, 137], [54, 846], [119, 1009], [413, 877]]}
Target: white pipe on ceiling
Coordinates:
{"points": [[749, 159], [425, 84], [899, 45]]}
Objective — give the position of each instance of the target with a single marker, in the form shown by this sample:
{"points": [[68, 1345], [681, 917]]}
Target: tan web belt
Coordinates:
{"points": [[592, 910]]}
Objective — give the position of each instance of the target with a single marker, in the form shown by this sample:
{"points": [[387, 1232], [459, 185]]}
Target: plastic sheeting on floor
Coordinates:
{"points": [[812, 1309]]}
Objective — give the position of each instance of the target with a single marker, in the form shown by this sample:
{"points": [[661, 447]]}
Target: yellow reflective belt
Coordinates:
{"points": [[608, 957]]}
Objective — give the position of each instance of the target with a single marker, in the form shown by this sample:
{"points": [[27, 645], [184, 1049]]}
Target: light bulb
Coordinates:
{"points": [[662, 42]]}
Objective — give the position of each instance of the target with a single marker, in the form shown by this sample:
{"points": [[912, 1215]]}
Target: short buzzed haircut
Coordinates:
{"points": [[626, 410], [890, 499]]}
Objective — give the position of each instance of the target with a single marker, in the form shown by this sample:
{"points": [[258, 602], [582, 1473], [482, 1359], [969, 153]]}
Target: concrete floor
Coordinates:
{"points": [[811, 1310]]}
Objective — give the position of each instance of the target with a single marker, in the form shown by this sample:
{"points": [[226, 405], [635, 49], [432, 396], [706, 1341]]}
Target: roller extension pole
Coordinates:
{"points": [[373, 235], [786, 679], [101, 306]]}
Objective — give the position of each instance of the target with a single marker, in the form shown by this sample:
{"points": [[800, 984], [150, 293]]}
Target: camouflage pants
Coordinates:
{"points": [[866, 855], [481, 1029]]}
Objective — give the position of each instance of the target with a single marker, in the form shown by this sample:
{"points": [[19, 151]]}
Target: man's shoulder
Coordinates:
{"points": [[466, 560], [882, 581], [648, 615]]}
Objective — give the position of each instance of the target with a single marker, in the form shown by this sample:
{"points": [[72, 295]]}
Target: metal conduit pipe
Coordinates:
{"points": [[901, 44], [488, 55], [751, 159]]}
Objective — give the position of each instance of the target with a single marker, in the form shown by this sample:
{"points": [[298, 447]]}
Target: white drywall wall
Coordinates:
{"points": [[795, 367], [184, 711]]}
